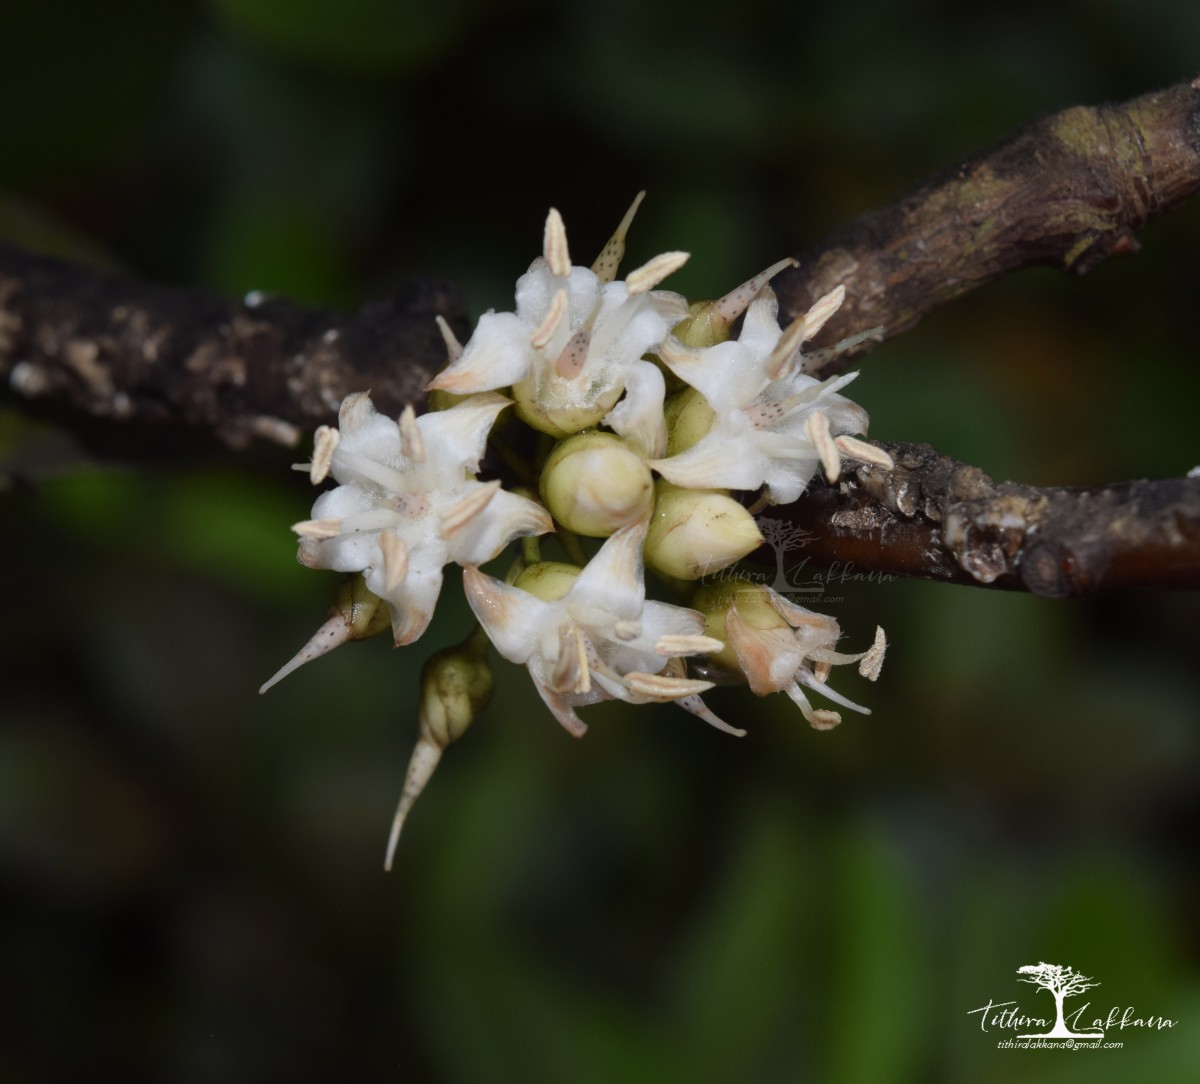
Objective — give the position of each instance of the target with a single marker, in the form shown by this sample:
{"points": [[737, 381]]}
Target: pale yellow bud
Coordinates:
{"points": [[689, 418], [594, 484], [456, 685], [548, 406], [548, 580], [363, 611], [697, 531], [703, 326]]}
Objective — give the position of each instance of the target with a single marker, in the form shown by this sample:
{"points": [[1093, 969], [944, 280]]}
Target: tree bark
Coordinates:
{"points": [[1070, 191], [101, 345], [936, 518]]}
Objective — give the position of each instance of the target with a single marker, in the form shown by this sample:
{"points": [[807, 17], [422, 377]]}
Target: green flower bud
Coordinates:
{"points": [[689, 418], [705, 325], [538, 405], [594, 484], [697, 531], [548, 580], [363, 611], [456, 685]]}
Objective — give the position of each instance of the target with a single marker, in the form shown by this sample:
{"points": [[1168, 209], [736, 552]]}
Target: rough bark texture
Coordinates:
{"points": [[936, 518], [1069, 191], [114, 347]]}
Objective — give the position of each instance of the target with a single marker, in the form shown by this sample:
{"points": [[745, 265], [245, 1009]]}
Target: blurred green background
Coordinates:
{"points": [[193, 885]]}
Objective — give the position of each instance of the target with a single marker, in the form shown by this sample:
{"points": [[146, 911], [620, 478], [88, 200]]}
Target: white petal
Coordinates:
{"points": [[513, 619], [455, 438], [506, 517], [718, 372], [611, 582], [638, 417], [720, 460], [412, 601], [498, 354]]}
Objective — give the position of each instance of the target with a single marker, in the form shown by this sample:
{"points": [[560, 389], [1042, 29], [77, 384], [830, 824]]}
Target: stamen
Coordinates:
{"points": [[824, 719], [395, 559], [701, 710], [650, 274], [609, 259], [627, 630], [785, 350], [554, 245], [872, 661], [816, 425], [387, 478], [318, 529], [824, 308], [659, 687], [804, 677], [853, 448], [412, 444], [543, 333], [687, 644], [324, 442], [459, 515], [454, 348]]}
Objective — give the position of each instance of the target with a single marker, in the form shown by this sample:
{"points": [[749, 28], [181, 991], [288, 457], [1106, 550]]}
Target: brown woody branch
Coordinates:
{"points": [[100, 345], [936, 518], [1069, 191]]}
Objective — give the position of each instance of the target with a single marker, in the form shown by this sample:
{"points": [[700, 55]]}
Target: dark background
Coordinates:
{"points": [[192, 875]]}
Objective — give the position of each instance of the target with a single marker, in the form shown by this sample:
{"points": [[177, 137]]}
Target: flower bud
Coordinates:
{"points": [[356, 614], [689, 418], [697, 531], [456, 685], [594, 484], [550, 406], [548, 580], [703, 326]]}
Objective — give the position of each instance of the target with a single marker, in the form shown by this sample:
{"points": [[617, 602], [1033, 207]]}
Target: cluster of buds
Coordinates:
{"points": [[659, 426]]}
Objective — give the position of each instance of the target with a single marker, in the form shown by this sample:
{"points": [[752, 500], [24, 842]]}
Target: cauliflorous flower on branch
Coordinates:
{"points": [[778, 646], [589, 634], [575, 343], [772, 424], [409, 503]]}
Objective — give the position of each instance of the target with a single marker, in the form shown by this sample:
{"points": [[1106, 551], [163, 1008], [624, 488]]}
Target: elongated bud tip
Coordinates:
{"points": [[421, 767], [356, 614]]}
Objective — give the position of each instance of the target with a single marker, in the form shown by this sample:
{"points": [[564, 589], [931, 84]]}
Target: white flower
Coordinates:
{"points": [[409, 503], [773, 424], [778, 646], [576, 341], [599, 639]]}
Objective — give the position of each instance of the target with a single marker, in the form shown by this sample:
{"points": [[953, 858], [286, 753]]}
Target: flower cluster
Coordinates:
{"points": [[630, 382]]}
